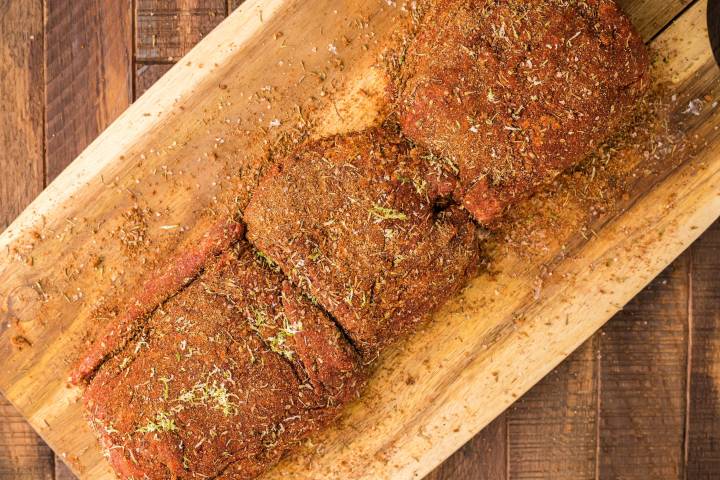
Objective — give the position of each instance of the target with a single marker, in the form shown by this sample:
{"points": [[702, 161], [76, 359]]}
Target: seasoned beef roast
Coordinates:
{"points": [[512, 92], [223, 377], [364, 224]]}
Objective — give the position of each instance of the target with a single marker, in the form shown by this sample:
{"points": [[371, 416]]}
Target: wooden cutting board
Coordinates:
{"points": [[274, 68]]}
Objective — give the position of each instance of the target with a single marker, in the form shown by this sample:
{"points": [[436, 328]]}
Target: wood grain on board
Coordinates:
{"points": [[23, 455], [559, 430]]}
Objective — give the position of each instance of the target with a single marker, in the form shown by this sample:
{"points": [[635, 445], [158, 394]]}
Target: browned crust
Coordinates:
{"points": [[208, 387], [362, 223], [516, 91], [176, 273]]}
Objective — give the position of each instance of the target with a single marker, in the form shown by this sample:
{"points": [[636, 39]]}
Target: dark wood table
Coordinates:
{"points": [[641, 399]]}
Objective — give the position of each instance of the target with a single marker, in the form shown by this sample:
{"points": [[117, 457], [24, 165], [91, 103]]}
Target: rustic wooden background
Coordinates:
{"points": [[641, 399]]}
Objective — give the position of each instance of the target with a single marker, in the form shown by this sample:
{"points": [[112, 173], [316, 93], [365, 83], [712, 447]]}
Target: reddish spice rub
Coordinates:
{"points": [[515, 91], [361, 224], [154, 292], [223, 378]]}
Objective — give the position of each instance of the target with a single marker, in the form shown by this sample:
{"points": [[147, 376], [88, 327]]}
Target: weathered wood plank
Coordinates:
{"points": [[552, 430], [89, 73], [168, 29], [549, 433], [147, 74], [21, 106], [703, 439], [643, 375], [482, 458], [651, 16], [233, 4], [22, 454], [62, 472]]}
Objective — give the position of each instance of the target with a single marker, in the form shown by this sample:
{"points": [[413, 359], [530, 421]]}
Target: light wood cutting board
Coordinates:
{"points": [[277, 65]]}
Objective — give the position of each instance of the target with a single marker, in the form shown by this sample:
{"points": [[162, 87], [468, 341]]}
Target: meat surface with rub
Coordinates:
{"points": [[362, 223], [222, 378], [513, 92]]}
